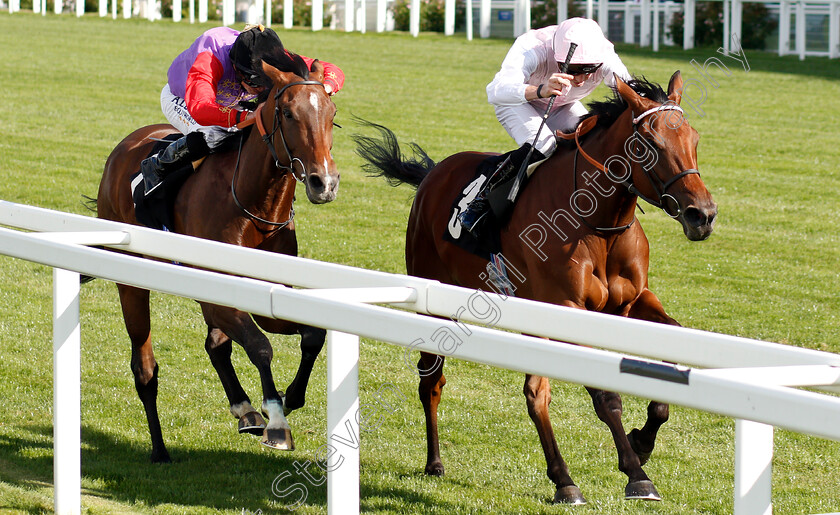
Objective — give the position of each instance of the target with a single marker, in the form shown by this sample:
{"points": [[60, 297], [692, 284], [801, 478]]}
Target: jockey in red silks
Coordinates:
{"points": [[212, 86], [529, 76]]}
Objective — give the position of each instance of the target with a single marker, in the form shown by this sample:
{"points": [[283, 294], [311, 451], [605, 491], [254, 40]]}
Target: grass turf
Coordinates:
{"points": [[74, 87]]}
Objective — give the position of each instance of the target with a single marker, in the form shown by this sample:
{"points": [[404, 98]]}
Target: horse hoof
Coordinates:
{"points": [[644, 455], [569, 495], [643, 489], [280, 439], [434, 469], [251, 423], [161, 457]]}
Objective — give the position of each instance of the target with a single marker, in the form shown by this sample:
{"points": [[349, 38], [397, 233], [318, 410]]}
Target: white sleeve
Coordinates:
{"points": [[508, 87], [613, 65]]}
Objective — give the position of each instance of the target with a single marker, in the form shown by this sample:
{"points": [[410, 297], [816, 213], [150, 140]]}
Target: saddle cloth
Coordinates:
{"points": [[156, 210], [485, 240]]}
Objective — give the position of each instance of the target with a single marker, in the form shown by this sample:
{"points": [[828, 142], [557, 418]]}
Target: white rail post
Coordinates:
{"points": [[604, 16], [349, 15], [644, 26], [484, 15], [630, 21], [562, 11], [361, 17], [449, 18], [655, 36], [800, 29], [834, 30], [317, 15], [414, 18], [688, 24], [342, 410], [784, 27], [67, 419], [753, 468], [381, 15], [176, 11], [727, 25]]}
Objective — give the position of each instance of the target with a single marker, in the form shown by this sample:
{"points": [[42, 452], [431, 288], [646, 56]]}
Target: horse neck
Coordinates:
{"points": [[261, 187], [616, 205]]}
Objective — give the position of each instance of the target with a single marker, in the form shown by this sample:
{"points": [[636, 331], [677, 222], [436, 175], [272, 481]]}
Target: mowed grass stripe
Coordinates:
{"points": [[768, 152]]}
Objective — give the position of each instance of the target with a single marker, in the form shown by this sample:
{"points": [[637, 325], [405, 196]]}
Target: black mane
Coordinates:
{"points": [[610, 109], [278, 57]]}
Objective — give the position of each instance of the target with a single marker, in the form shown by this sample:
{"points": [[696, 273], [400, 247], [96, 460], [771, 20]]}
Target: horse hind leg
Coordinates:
{"points": [[219, 347], [609, 410], [537, 392], [432, 381], [135, 308]]}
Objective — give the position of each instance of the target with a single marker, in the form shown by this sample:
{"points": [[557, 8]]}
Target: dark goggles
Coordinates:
{"points": [[582, 69], [252, 81]]}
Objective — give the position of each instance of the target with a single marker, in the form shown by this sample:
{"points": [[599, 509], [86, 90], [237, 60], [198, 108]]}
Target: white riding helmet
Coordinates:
{"points": [[592, 46]]}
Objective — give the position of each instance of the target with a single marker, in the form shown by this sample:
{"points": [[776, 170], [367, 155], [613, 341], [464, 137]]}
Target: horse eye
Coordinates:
{"points": [[287, 113]]}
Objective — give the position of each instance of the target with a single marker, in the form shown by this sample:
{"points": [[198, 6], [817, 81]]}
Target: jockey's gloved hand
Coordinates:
{"points": [[249, 105]]}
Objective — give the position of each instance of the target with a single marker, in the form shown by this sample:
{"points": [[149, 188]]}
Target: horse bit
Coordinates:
{"points": [[659, 187], [268, 138]]}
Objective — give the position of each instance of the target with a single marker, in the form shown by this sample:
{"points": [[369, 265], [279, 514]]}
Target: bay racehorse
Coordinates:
{"points": [[594, 255], [242, 196]]}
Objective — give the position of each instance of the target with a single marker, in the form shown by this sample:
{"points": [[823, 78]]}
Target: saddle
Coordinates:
{"points": [[485, 241], [156, 210]]}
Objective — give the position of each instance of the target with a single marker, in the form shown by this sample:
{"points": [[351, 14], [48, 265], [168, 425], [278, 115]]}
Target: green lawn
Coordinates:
{"points": [[72, 88]]}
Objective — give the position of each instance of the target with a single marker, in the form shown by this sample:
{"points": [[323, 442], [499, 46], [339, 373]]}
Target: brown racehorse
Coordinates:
{"points": [[594, 256], [244, 197]]}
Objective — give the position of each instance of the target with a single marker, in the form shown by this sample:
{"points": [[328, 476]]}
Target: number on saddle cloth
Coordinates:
{"points": [[487, 241]]}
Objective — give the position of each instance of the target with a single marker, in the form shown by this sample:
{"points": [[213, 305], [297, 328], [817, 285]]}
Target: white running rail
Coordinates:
{"points": [[749, 380]]}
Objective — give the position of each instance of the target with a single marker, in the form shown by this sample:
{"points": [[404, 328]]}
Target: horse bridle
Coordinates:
{"points": [[659, 187], [268, 138]]}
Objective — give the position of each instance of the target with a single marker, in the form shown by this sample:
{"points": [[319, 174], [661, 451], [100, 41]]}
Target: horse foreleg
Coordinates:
{"points": [[430, 368], [647, 307], [219, 348], [239, 326], [311, 342], [609, 410], [537, 392], [135, 308]]}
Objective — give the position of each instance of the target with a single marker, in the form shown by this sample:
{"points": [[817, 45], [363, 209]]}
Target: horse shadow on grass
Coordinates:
{"points": [[119, 471]]}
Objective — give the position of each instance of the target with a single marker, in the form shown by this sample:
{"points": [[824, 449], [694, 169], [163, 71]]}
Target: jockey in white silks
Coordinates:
{"points": [[529, 76]]}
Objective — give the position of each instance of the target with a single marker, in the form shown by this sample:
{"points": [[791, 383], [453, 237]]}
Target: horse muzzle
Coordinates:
{"points": [[321, 188], [698, 221]]}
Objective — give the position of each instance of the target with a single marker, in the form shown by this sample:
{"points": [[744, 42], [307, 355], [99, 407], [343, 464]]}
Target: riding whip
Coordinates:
{"points": [[523, 170]]}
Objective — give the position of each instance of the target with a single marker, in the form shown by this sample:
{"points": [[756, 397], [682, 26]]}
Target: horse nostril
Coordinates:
{"points": [[316, 183], [695, 218]]}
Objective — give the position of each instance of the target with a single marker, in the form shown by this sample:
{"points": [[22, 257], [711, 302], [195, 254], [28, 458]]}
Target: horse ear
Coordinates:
{"points": [[627, 93], [675, 87], [318, 69], [276, 76]]}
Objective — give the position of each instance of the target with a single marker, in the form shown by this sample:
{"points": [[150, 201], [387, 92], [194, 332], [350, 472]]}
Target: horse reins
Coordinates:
{"points": [[268, 138], [661, 188]]}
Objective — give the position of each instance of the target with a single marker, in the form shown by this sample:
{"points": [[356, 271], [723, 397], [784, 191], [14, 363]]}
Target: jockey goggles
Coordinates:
{"points": [[582, 69]]}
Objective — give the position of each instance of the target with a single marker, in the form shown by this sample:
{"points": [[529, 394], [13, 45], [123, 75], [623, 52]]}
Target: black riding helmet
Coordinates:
{"points": [[255, 41]]}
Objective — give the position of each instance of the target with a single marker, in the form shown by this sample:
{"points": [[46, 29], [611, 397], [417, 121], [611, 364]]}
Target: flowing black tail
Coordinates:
{"points": [[384, 158]]}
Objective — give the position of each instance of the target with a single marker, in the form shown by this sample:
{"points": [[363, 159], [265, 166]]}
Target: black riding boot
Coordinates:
{"points": [[179, 153], [509, 167]]}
